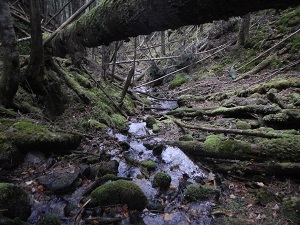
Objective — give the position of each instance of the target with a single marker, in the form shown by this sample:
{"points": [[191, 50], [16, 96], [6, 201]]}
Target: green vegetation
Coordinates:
{"points": [[15, 200], [119, 192], [196, 192], [149, 165], [282, 148], [212, 143], [50, 220], [242, 125], [291, 209], [161, 180], [177, 81]]}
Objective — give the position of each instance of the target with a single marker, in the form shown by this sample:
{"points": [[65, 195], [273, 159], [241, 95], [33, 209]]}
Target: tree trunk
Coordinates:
{"points": [[244, 29], [114, 20], [9, 81], [36, 66]]}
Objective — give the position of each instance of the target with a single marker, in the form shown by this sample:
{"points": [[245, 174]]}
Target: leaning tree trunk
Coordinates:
{"points": [[114, 20], [9, 81]]}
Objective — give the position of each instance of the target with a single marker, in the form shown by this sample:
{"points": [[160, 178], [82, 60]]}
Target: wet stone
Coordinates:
{"points": [[60, 180], [35, 157], [110, 167]]}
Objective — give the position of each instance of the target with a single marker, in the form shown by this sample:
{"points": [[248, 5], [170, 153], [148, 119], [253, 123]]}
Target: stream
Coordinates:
{"points": [[164, 207]]}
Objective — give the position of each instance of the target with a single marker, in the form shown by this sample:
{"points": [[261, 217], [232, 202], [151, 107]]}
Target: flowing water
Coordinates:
{"points": [[164, 207]]}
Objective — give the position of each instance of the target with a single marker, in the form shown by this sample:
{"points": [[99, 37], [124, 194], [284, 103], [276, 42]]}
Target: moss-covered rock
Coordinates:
{"points": [[177, 81], [110, 167], [119, 192], [149, 165], [161, 180], [15, 201], [27, 135], [50, 220], [196, 192]]}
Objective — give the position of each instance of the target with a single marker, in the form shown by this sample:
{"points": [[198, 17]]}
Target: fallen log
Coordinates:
{"points": [[286, 148], [254, 168]]}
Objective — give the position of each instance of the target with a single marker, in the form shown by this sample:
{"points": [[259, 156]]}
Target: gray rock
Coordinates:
{"points": [[60, 180], [35, 157]]}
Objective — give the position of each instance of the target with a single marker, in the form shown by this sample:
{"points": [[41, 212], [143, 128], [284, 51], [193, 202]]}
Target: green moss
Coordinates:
{"points": [[119, 121], [295, 97], [291, 209], [29, 128], [94, 124], [109, 176], [161, 180], [177, 81], [212, 143], [286, 148], [24, 47], [5, 144], [234, 147], [187, 137], [150, 121], [263, 197], [149, 165], [119, 192], [27, 135], [242, 125], [50, 220], [15, 200], [196, 192]]}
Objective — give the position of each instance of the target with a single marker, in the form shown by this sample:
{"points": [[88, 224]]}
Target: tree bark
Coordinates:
{"points": [[244, 29], [114, 20], [36, 66], [9, 81]]}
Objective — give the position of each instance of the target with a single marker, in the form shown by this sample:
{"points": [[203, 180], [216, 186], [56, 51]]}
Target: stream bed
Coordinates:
{"points": [[165, 207]]}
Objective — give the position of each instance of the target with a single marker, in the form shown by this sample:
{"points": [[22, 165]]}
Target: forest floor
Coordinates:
{"points": [[180, 105]]}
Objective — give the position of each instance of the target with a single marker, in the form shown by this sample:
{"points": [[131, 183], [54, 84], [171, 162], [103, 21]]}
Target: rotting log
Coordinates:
{"points": [[114, 20]]}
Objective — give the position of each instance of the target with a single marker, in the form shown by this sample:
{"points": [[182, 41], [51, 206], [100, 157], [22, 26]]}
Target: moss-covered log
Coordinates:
{"points": [[114, 20], [252, 168], [285, 149]]}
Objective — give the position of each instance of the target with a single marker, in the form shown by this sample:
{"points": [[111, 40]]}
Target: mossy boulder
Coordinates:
{"points": [[161, 180], [149, 165], [28, 135], [15, 201], [110, 167], [196, 192], [50, 220], [152, 123], [119, 192]]}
